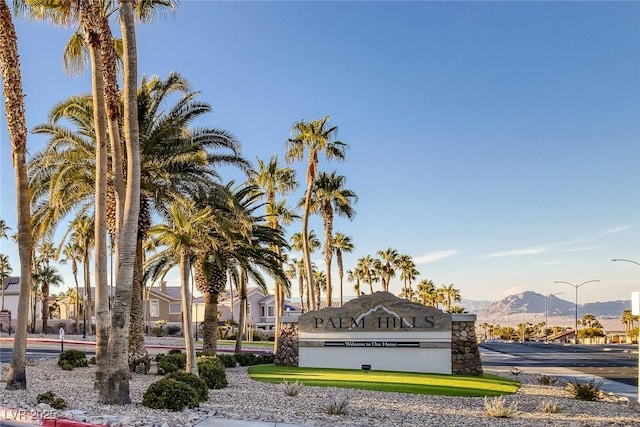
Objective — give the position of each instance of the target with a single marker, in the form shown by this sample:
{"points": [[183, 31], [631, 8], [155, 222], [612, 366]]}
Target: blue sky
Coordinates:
{"points": [[498, 143]]}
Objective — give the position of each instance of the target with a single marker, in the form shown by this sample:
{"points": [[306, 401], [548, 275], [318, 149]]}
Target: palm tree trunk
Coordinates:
{"points": [[327, 216], [45, 306], [190, 349], [14, 110], [301, 291], [115, 385], [242, 316], [210, 324], [138, 354], [305, 236], [90, 23], [340, 272]]}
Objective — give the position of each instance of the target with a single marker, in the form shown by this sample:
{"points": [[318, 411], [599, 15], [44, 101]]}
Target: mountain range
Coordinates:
{"points": [[530, 307]]}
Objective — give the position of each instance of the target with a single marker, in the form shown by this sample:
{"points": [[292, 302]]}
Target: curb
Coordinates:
{"points": [[63, 422]]}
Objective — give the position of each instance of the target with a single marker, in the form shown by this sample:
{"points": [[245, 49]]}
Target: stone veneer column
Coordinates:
{"points": [[287, 352], [465, 354]]}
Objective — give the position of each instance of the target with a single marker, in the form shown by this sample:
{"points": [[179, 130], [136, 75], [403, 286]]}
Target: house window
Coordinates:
{"points": [[248, 309], [154, 308], [263, 311], [270, 311], [175, 308]]}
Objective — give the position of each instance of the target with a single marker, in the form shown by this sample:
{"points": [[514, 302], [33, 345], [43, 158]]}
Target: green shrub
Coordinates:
{"points": [[50, 399], [173, 330], [157, 331], [227, 360], [265, 359], [46, 397], [172, 363], [246, 359], [159, 356], [92, 361], [75, 358], [212, 372], [589, 391], [197, 383], [175, 351], [58, 403], [65, 365], [170, 394]]}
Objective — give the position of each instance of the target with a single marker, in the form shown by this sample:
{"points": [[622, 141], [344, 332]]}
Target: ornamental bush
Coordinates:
{"points": [[170, 394], [172, 362], [227, 360], [49, 398], [197, 383], [212, 372], [73, 359]]}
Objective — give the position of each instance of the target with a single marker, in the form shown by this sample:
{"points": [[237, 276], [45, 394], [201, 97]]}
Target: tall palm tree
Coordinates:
{"points": [[274, 180], [184, 231], [320, 282], [315, 137], [328, 198], [16, 124], [313, 243], [73, 253], [46, 276], [341, 243], [389, 258], [450, 294], [176, 161]]}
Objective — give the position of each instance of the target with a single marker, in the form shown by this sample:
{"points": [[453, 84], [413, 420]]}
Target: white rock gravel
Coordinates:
{"points": [[251, 400]]}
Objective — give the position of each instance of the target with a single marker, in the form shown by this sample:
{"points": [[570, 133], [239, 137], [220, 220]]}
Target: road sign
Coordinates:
{"points": [[5, 316]]}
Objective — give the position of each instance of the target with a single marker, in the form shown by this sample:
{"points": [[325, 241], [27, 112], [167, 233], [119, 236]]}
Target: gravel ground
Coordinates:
{"points": [[252, 400]]}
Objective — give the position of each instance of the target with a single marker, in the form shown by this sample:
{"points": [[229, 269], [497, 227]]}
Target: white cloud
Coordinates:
{"points": [[524, 251], [615, 230], [434, 256]]}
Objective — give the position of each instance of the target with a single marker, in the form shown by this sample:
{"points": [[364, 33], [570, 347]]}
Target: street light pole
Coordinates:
{"points": [[575, 331], [546, 321]]}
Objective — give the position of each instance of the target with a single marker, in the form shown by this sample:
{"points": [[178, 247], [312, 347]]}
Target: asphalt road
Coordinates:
{"points": [[614, 362]]}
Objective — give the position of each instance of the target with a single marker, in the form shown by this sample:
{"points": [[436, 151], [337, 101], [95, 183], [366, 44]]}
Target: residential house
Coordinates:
{"points": [[260, 308], [11, 287]]}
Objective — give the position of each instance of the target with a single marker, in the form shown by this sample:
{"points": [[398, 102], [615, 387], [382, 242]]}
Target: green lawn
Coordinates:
{"points": [[405, 382], [248, 344]]}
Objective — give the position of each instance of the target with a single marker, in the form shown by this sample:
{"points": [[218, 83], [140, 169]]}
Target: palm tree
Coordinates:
{"points": [[329, 197], [5, 271], [389, 258], [274, 181], [408, 271], [295, 268], [316, 137], [320, 282], [313, 243], [73, 253], [176, 161], [46, 276], [450, 294], [16, 124], [427, 293], [184, 231], [366, 271], [341, 243], [408, 294], [587, 320], [627, 318]]}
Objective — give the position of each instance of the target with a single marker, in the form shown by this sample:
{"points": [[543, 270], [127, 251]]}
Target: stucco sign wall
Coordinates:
{"points": [[381, 330]]}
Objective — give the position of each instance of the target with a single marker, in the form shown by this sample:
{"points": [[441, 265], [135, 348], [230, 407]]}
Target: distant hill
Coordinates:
{"points": [[534, 302]]}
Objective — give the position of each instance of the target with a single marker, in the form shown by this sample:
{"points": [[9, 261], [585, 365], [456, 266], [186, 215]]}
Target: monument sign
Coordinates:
{"points": [[380, 330]]}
